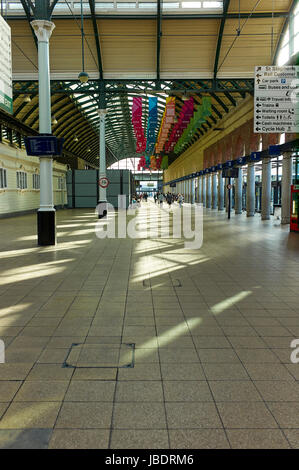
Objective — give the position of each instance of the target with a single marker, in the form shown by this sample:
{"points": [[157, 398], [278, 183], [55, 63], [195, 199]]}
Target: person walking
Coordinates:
{"points": [[161, 197], [180, 199]]}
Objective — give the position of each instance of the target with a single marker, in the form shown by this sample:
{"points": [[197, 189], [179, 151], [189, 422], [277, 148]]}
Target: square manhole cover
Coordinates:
{"points": [[82, 355]]}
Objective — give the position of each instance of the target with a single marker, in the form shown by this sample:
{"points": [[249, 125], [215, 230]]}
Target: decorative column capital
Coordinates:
{"points": [[287, 154], [43, 29], [102, 112]]}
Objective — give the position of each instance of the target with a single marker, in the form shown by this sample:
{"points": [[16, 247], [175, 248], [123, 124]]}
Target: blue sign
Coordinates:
{"points": [[274, 150], [213, 169], [228, 164], [240, 161], [255, 156], [219, 166], [43, 145]]}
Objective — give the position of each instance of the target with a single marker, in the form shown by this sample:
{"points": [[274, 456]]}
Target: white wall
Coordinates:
{"points": [[13, 199]]}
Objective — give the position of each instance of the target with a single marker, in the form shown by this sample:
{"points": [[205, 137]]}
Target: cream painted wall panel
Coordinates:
{"points": [[191, 27], [129, 53], [13, 199], [187, 53]]}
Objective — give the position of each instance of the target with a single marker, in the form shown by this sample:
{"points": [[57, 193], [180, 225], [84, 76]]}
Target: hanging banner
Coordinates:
{"points": [[151, 124], [199, 117], [166, 123], [5, 67], [183, 121], [137, 124]]}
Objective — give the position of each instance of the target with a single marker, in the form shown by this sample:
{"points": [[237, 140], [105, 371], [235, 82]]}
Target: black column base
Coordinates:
{"points": [[46, 228], [102, 209]]}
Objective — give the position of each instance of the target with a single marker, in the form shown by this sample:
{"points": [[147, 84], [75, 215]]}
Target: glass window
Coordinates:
{"points": [[191, 4], [126, 5], [212, 4], [170, 6], [21, 180], [104, 5], [151, 6], [15, 6], [36, 181], [3, 180]]}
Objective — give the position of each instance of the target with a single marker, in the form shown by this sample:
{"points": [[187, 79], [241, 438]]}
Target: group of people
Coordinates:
{"points": [[159, 197], [169, 198]]}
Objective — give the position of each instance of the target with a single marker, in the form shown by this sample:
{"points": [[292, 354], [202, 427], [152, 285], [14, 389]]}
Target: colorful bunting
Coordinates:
{"points": [[137, 124], [151, 124], [183, 120], [198, 118]]}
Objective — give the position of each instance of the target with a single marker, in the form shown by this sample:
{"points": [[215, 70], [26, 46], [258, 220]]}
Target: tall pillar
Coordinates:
{"points": [[199, 189], [250, 193], [46, 226], [238, 192], [214, 191], [266, 188], [286, 181], [204, 194], [208, 191], [220, 191], [192, 191]]}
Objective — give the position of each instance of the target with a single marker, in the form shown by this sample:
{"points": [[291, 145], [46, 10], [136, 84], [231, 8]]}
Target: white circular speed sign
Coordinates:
{"points": [[104, 182]]}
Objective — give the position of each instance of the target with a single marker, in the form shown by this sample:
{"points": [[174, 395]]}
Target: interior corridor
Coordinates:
{"points": [[141, 343]]}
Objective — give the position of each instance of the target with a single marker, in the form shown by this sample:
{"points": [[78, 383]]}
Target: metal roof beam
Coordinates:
{"points": [[220, 36], [96, 36]]}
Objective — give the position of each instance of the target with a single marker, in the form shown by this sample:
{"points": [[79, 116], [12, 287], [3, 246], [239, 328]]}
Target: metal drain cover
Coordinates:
{"points": [[82, 356]]}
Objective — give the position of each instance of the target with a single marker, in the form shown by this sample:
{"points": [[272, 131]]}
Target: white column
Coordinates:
{"points": [[204, 199], [238, 192], [266, 188], [250, 193], [192, 190], [46, 212], [220, 191], [286, 181], [214, 191], [199, 189], [208, 191], [102, 160], [43, 30]]}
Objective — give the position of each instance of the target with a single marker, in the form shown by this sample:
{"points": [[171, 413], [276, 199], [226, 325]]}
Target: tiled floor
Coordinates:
{"points": [[212, 329]]}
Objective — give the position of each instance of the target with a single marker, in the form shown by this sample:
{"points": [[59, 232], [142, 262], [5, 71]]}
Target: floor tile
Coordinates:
{"points": [[24, 438], [41, 391], [246, 416], [192, 415], [257, 439], [30, 415], [139, 416], [187, 391], [139, 439], [234, 391], [84, 415], [79, 439], [198, 439]]}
